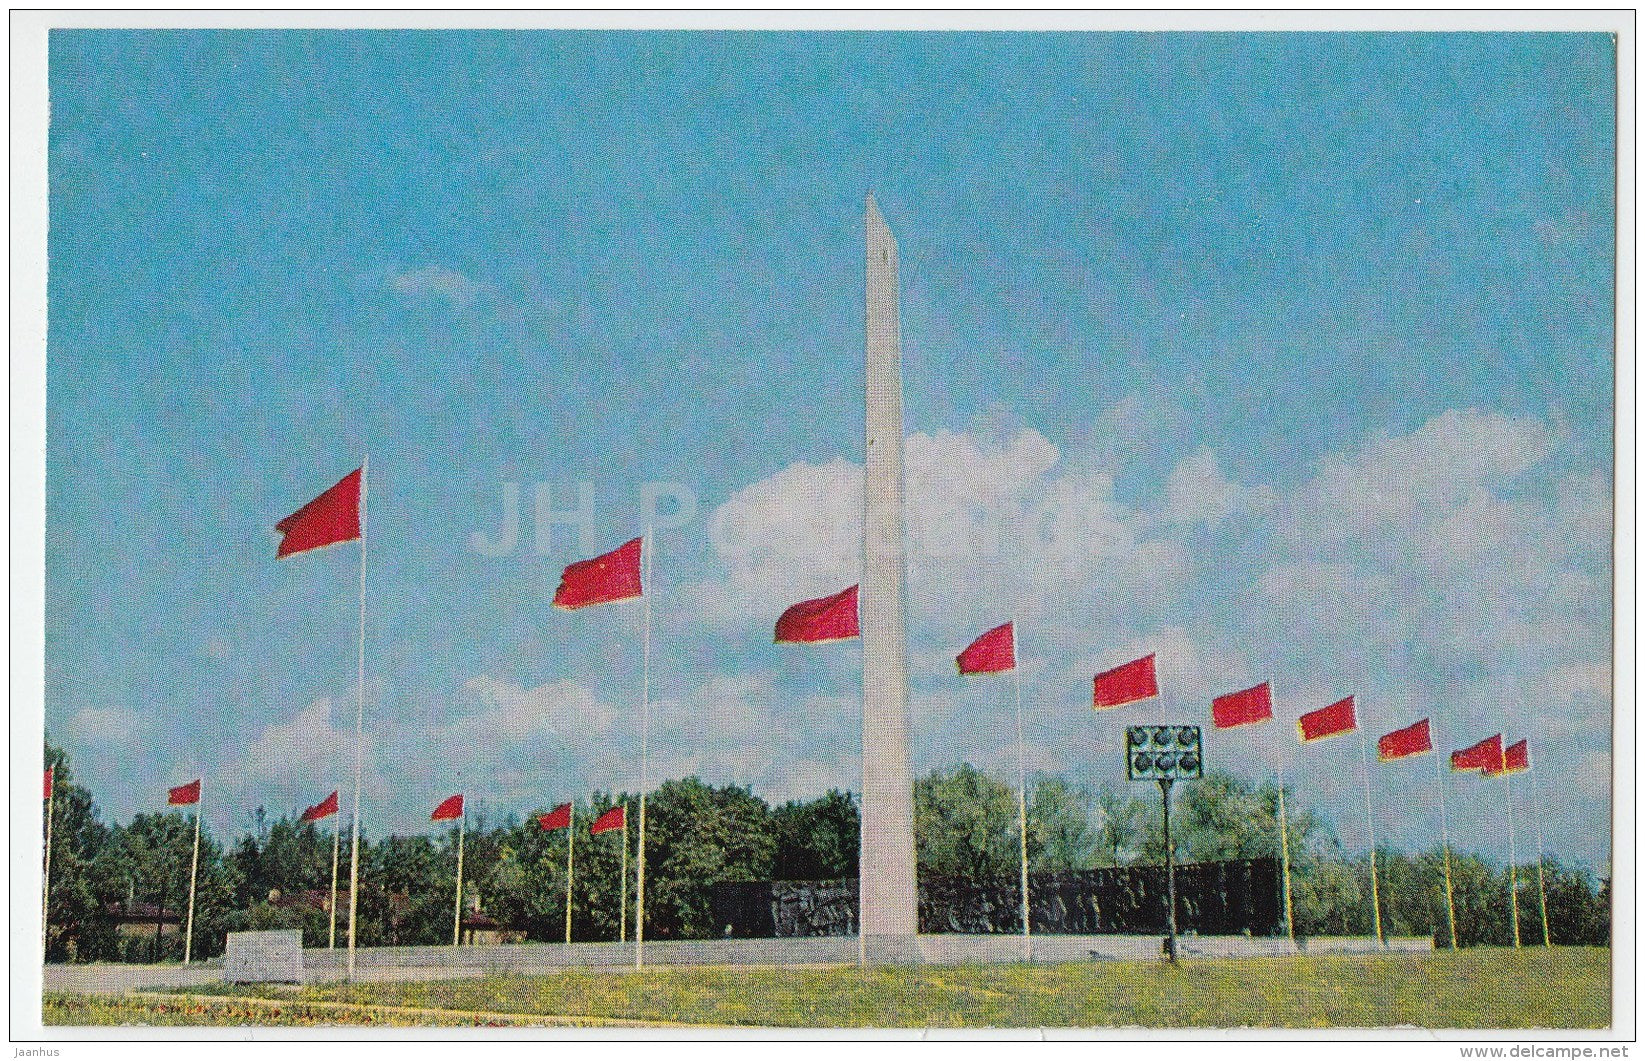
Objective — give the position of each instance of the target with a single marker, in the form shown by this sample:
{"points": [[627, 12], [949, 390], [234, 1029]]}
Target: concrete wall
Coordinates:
{"points": [[394, 963], [521, 959]]}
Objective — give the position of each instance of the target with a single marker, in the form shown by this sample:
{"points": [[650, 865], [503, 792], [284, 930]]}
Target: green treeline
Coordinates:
{"points": [[106, 878]]}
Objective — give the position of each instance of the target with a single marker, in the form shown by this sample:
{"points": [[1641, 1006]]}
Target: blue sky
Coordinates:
{"points": [[1285, 356]]}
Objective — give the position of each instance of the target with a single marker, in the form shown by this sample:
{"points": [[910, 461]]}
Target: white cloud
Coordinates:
{"points": [[788, 537], [314, 744], [562, 709], [1196, 491], [104, 725], [1433, 538], [440, 283], [1399, 483], [990, 525]]}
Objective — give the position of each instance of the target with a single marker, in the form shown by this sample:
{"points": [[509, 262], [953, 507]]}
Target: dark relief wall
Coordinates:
{"points": [[1213, 898]]}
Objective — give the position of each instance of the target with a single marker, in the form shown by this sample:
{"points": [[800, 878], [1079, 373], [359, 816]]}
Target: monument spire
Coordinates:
{"points": [[889, 905]]}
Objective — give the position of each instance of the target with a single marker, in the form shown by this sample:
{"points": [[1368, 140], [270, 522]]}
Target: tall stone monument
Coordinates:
{"points": [[889, 916]]}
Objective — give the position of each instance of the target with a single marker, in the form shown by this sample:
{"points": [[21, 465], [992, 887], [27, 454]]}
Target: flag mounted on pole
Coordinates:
{"points": [[1516, 758], [184, 795], [1243, 708], [617, 818], [1482, 756], [320, 811], [1332, 721], [1125, 684], [618, 576], [339, 515], [991, 653], [451, 809], [330, 519], [1490, 759], [819, 621], [189, 796], [323, 809], [1418, 739], [560, 818], [605, 579], [1414, 739], [49, 771]]}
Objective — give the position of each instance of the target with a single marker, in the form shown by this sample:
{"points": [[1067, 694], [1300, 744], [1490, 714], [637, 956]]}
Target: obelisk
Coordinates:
{"points": [[888, 915]]}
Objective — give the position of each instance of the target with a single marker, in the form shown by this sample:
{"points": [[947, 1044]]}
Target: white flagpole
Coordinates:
{"points": [[648, 547], [1284, 847], [1022, 799], [457, 917], [359, 733], [1370, 830], [336, 842], [1445, 845], [193, 871], [622, 901], [45, 903], [570, 847]]}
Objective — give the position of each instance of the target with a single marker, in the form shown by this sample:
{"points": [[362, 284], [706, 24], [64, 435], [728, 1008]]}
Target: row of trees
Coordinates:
{"points": [[277, 875]]}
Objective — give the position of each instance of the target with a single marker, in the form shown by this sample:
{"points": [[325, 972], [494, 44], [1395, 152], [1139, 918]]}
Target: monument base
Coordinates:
{"points": [[891, 950]]}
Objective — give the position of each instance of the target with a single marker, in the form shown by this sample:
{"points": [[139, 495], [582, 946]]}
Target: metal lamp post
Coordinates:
{"points": [[1165, 754]]}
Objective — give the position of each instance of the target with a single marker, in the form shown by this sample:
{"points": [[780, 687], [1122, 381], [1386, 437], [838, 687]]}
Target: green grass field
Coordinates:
{"points": [[1482, 988]]}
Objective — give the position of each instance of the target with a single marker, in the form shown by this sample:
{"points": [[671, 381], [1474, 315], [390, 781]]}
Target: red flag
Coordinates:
{"points": [[449, 810], [816, 621], [1412, 740], [330, 519], [615, 818], [992, 652], [323, 809], [1242, 708], [1125, 684], [1515, 758], [1330, 721], [49, 770], [613, 576], [558, 818], [183, 795], [1487, 753]]}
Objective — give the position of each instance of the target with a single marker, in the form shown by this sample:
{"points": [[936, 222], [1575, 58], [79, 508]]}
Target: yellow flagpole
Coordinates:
{"points": [[622, 901], [570, 846], [1370, 831], [193, 872], [45, 903], [1284, 848], [1445, 844], [336, 843], [1513, 854], [457, 915]]}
